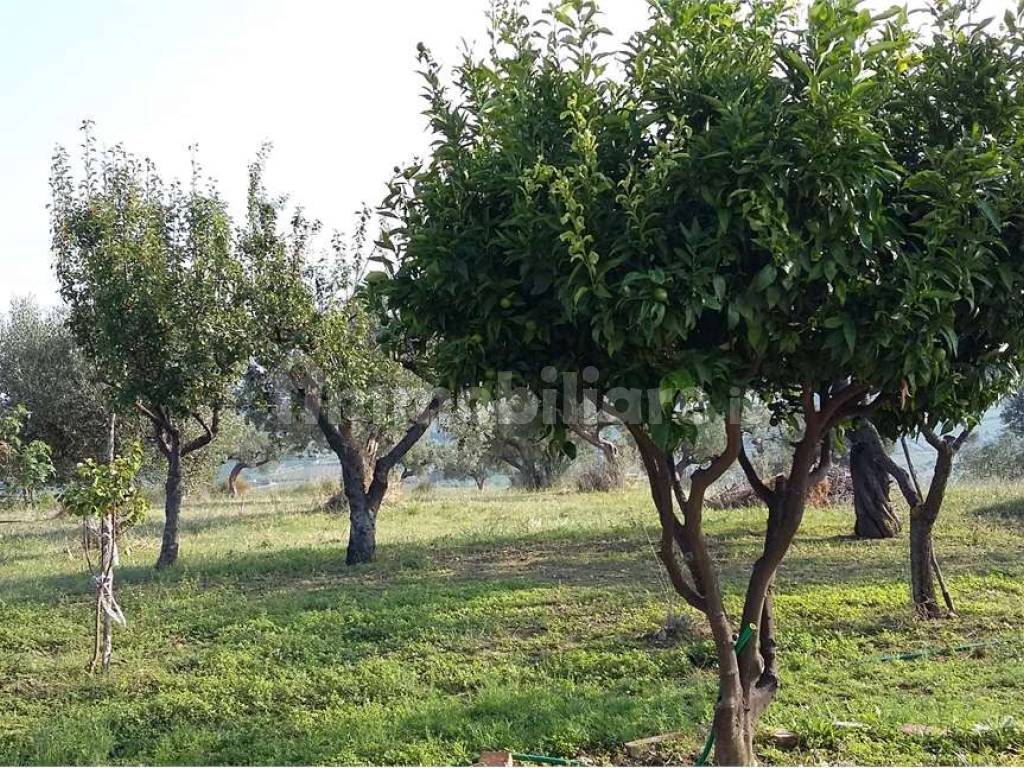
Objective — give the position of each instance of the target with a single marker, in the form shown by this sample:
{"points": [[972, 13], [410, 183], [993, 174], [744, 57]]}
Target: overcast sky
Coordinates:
{"points": [[331, 83]]}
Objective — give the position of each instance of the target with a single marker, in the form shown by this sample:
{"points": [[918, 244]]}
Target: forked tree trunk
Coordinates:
{"points": [[924, 566], [748, 677], [874, 516], [174, 491], [364, 499]]}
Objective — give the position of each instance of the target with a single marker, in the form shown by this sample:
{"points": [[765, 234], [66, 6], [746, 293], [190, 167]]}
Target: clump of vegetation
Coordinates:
{"points": [[105, 498], [25, 466]]}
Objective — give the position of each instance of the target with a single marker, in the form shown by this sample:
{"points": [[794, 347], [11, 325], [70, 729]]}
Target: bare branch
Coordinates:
{"points": [[933, 439], [960, 439]]}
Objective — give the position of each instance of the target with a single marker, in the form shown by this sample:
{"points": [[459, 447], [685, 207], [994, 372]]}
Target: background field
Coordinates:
{"points": [[496, 620]]}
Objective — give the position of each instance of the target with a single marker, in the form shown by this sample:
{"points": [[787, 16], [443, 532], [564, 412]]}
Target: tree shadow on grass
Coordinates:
{"points": [[1009, 514], [617, 558]]}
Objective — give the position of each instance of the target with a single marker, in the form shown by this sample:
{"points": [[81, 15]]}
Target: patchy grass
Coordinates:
{"points": [[495, 620]]}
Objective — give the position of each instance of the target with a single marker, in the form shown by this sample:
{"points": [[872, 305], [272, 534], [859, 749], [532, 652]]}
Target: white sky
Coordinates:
{"points": [[331, 83]]}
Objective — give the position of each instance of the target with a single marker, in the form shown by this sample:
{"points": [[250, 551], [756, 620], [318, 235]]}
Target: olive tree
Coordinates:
{"points": [[265, 427], [42, 368], [727, 216], [156, 299], [317, 334]]}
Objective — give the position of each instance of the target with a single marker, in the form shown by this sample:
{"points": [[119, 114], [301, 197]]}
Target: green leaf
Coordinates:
{"points": [[850, 333], [765, 277], [990, 214]]}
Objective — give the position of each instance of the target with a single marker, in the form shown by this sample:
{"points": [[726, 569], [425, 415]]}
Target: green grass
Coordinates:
{"points": [[495, 620]]}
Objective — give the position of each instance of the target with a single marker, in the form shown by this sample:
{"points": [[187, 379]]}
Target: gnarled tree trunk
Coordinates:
{"points": [[364, 499], [874, 516], [362, 536]]}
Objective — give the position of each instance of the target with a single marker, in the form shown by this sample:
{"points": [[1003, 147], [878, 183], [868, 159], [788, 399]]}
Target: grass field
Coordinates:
{"points": [[496, 620]]}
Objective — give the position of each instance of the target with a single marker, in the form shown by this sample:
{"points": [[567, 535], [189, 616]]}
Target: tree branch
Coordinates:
{"points": [[209, 432], [824, 461], [382, 468]]}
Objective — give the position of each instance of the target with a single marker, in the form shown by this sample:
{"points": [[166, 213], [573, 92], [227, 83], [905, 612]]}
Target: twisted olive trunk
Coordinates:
{"points": [[874, 516]]}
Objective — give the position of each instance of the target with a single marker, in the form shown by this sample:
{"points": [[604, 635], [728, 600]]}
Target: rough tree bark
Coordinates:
{"points": [[870, 470], [748, 681], [174, 492], [364, 498]]}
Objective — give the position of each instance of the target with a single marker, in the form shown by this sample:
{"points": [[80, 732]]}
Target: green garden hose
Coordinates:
{"points": [[739, 645], [542, 759]]}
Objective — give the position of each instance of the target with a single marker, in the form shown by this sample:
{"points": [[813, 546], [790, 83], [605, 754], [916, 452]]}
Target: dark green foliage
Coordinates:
{"points": [[42, 368]]}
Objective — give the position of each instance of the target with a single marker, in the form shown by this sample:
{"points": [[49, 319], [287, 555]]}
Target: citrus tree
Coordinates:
{"points": [[952, 114], [156, 299], [728, 216]]}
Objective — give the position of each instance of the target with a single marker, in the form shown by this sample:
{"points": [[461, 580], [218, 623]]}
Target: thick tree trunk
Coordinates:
{"points": [[362, 535], [875, 518], [236, 470], [364, 499], [174, 492]]}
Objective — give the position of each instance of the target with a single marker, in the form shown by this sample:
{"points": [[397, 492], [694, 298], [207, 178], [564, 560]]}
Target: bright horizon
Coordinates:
{"points": [[333, 86]]}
